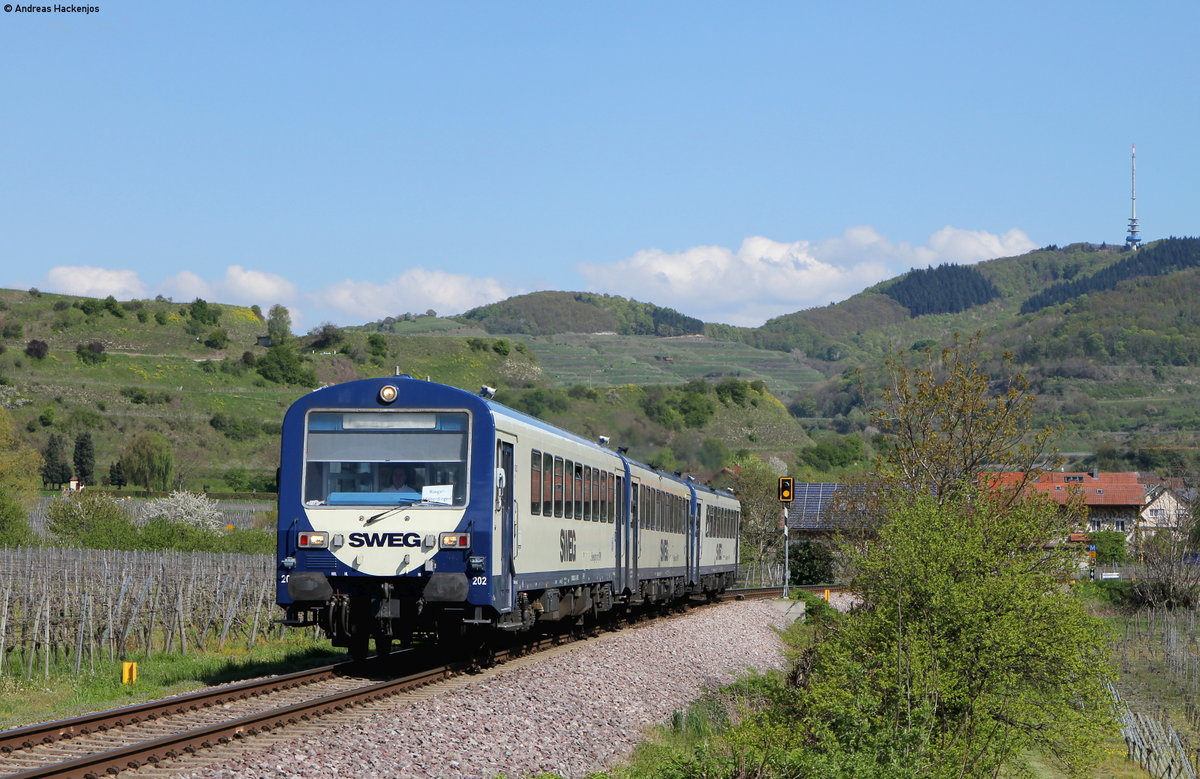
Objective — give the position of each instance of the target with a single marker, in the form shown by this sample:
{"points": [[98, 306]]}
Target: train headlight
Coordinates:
{"points": [[388, 393], [311, 540], [454, 541]]}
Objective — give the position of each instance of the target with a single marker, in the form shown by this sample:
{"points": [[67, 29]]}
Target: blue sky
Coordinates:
{"points": [[735, 161]]}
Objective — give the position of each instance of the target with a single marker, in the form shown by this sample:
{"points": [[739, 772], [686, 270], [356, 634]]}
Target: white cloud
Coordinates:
{"points": [[966, 246], [89, 281], [186, 286], [416, 290], [251, 286], [764, 278]]}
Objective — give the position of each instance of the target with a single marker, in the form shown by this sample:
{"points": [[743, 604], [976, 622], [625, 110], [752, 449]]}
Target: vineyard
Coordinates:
{"points": [[67, 609], [1158, 655]]}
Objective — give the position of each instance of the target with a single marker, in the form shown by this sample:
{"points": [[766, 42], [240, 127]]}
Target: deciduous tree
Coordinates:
{"points": [[967, 653], [19, 469], [279, 324], [756, 486], [148, 462], [948, 422]]}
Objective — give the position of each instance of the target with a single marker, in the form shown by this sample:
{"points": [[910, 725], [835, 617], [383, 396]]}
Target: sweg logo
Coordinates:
{"points": [[385, 539]]}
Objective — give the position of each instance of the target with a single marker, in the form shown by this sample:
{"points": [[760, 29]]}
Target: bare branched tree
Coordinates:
{"points": [[950, 422]]}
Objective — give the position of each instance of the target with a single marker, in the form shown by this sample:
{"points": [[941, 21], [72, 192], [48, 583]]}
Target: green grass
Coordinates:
{"points": [[613, 360], [26, 701]]}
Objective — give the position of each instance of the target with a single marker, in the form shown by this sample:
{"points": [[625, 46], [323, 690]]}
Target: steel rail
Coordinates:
{"points": [[169, 747], [49, 732], [172, 746]]}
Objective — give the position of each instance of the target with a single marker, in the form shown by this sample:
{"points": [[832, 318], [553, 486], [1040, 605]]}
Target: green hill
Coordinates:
{"points": [[1116, 363], [551, 313], [199, 374]]}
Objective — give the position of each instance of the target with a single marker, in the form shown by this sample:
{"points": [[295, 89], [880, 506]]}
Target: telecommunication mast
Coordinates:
{"points": [[1132, 241]]}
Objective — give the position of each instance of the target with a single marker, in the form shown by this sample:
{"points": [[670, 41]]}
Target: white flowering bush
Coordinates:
{"points": [[199, 511]]}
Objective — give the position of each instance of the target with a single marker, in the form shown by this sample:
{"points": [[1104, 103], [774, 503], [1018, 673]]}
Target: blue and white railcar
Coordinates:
{"points": [[408, 507]]}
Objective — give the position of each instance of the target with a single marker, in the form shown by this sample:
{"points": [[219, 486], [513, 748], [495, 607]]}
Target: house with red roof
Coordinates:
{"points": [[1133, 502]]}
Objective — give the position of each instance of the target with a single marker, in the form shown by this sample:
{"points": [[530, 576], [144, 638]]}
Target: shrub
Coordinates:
{"points": [[13, 330], [14, 525], [37, 349], [235, 428], [187, 508], [217, 339], [91, 353], [377, 345], [282, 365], [202, 313], [1110, 546], [90, 520]]}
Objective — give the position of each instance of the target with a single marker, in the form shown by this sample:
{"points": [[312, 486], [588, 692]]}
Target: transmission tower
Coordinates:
{"points": [[1132, 241]]}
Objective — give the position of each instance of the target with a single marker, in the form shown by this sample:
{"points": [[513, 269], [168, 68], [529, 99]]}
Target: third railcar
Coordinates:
{"points": [[410, 508]]}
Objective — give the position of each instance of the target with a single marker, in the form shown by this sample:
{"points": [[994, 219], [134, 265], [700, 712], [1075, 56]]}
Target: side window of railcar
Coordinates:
{"points": [[579, 491], [594, 478], [605, 498], [535, 482], [587, 493], [618, 496], [558, 486], [547, 484], [569, 488]]}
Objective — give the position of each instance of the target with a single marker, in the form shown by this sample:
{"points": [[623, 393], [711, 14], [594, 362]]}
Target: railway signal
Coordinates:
{"points": [[786, 484]]}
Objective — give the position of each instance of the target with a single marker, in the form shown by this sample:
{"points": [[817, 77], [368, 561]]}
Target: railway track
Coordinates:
{"points": [[158, 733]]}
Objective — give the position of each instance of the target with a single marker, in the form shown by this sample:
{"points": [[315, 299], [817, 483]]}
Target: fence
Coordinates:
{"points": [[66, 608], [1153, 744], [761, 575]]}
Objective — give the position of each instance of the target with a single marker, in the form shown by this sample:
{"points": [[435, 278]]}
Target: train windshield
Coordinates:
{"points": [[386, 458]]}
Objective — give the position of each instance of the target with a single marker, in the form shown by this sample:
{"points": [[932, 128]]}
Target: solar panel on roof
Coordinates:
{"points": [[807, 509]]}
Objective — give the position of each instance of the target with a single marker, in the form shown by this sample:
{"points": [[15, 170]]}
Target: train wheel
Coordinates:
{"points": [[383, 646]]}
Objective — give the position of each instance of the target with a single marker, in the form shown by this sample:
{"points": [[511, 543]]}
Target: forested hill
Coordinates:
{"points": [[946, 289], [551, 313], [1173, 254]]}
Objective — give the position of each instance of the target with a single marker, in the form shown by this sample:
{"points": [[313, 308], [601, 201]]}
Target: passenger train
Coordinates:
{"points": [[409, 509]]}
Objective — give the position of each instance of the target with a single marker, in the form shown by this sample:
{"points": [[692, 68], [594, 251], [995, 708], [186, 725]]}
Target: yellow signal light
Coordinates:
{"points": [[786, 489]]}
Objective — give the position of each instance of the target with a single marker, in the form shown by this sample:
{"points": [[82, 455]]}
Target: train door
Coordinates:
{"points": [[693, 539], [506, 513], [632, 537]]}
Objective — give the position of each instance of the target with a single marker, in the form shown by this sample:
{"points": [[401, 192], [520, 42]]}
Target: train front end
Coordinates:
{"points": [[386, 528]]}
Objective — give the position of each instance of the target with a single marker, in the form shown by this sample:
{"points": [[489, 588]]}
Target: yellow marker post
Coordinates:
{"points": [[826, 596], [128, 673]]}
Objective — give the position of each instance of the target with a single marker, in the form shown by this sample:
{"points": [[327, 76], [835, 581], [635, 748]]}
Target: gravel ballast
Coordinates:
{"points": [[576, 712]]}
